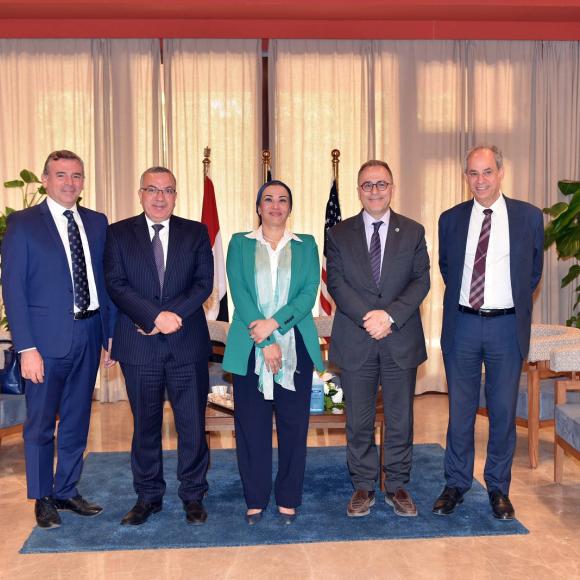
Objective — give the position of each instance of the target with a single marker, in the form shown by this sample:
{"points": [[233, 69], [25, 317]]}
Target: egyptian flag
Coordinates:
{"points": [[216, 306], [332, 217]]}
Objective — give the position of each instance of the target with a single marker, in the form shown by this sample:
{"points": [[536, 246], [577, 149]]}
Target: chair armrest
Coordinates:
{"points": [[562, 387]]}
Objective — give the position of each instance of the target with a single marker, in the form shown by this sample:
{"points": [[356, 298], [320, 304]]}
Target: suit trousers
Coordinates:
{"points": [[66, 392], [492, 342], [253, 424], [187, 387], [360, 392]]}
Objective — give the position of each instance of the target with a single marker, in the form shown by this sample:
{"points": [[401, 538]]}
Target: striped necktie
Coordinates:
{"points": [[375, 253], [477, 288]]}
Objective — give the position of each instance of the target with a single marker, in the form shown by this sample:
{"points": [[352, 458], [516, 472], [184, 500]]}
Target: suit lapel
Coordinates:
{"points": [[249, 259], [141, 232], [173, 245], [391, 246], [361, 250], [461, 235], [515, 236], [89, 231], [51, 226]]}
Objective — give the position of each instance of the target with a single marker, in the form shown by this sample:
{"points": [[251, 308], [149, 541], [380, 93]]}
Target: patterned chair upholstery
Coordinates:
{"points": [[567, 413]]}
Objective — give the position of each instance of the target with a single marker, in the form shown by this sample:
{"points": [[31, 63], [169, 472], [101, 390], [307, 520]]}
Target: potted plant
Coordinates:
{"points": [[564, 231]]}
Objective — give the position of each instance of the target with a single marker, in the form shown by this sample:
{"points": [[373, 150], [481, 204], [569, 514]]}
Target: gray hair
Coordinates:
{"points": [[156, 169], [498, 155]]}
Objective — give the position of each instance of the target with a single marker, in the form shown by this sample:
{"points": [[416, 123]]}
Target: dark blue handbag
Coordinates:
{"points": [[11, 381]]}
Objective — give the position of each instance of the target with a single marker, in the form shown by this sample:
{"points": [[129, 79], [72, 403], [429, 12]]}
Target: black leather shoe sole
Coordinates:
{"points": [[196, 514]]}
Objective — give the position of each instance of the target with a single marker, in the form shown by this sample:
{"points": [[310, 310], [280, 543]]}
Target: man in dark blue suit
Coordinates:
{"points": [[60, 316], [491, 257], [159, 272]]}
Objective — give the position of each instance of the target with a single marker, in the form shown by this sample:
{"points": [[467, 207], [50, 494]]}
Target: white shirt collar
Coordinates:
{"points": [[58, 209], [151, 223], [259, 235], [369, 220], [497, 205]]}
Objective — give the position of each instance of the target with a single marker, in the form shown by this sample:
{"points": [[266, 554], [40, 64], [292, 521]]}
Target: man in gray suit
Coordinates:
{"points": [[378, 275]]}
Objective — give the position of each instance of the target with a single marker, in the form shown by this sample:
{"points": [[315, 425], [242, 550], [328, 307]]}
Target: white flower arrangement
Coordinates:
{"points": [[333, 395]]}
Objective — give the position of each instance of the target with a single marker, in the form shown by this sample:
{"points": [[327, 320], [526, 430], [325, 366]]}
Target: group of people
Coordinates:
{"points": [[72, 284]]}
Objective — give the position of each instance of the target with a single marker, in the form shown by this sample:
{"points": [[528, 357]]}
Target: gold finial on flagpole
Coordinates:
{"points": [[206, 161], [335, 161], [266, 164]]}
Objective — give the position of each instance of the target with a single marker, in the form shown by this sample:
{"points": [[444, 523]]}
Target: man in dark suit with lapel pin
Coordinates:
{"points": [[159, 272], [60, 316], [491, 257], [378, 275]]}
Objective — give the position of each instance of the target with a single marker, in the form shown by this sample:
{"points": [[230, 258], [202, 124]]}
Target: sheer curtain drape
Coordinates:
{"points": [[99, 98], [426, 103], [212, 89], [320, 91]]}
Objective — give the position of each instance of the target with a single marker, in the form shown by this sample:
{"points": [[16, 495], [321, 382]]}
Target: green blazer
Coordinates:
{"points": [[305, 278]]}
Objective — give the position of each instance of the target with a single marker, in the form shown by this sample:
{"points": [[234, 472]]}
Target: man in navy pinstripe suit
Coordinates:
{"points": [[159, 272]]}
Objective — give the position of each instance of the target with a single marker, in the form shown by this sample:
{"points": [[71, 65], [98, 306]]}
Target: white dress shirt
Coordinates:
{"points": [[274, 255], [61, 221], [498, 284], [163, 235]]}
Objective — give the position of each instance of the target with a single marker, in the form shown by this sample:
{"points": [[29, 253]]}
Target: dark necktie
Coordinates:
{"points": [[375, 253], [79, 266], [477, 288], [158, 253]]}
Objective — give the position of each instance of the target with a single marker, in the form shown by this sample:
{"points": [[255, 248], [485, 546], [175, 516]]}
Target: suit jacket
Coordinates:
{"points": [[403, 285], [526, 235], [37, 285], [305, 278], [133, 283]]}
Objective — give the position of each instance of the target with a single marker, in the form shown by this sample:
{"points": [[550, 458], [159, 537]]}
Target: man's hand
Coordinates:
{"points": [[32, 366], [168, 322], [377, 323], [272, 357], [260, 330], [108, 362]]}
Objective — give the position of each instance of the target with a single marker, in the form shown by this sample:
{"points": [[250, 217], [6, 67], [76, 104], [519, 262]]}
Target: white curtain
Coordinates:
{"points": [[320, 92], [212, 99], [426, 103], [98, 98]]}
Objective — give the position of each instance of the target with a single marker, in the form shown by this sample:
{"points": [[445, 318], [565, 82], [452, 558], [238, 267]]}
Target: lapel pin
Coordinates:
{"points": [[396, 229]]}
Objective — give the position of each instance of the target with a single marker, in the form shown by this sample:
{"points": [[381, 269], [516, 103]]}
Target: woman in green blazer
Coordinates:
{"points": [[271, 350]]}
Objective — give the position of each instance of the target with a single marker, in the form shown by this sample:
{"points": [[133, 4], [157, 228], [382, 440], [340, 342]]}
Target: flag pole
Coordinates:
{"points": [[266, 164], [335, 153], [206, 161]]}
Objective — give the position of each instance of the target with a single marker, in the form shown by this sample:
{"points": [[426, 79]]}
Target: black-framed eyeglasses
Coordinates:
{"points": [[152, 190], [380, 185]]}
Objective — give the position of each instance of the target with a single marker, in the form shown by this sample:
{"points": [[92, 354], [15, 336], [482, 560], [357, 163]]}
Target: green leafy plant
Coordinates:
{"points": [[564, 231], [32, 191]]}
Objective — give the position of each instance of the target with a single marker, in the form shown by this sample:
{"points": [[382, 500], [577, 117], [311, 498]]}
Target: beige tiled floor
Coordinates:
{"points": [[551, 513]]}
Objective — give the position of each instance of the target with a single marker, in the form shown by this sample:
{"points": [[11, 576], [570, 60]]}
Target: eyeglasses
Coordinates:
{"points": [[152, 190], [380, 185]]}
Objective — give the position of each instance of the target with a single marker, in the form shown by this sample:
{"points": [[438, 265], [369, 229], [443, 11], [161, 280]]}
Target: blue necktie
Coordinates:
{"points": [[158, 253], [375, 253], [79, 266]]}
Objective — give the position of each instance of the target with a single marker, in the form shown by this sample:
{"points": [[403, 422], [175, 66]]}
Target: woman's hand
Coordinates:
{"points": [[272, 357], [260, 330]]}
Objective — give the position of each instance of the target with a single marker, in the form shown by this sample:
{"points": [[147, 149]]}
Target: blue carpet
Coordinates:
{"points": [[322, 517]]}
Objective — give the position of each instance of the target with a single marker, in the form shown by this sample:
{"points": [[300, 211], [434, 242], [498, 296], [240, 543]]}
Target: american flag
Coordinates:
{"points": [[332, 217]]}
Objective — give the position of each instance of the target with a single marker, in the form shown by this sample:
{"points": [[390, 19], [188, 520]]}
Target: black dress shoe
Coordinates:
{"points": [[78, 505], [140, 513], [501, 506], [446, 503], [253, 519], [194, 512], [46, 515]]}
